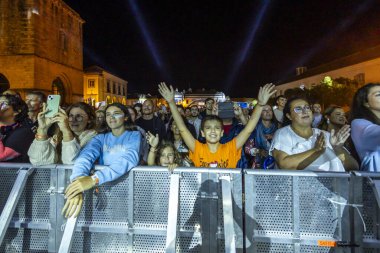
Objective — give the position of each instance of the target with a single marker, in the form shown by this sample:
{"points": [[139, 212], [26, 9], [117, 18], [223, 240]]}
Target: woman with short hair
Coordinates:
{"points": [[298, 146]]}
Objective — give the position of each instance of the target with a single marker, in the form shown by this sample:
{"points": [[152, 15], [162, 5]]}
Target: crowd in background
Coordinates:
{"points": [[291, 134]]}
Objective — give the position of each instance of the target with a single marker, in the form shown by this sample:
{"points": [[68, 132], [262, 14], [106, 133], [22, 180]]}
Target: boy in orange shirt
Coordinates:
{"points": [[214, 154]]}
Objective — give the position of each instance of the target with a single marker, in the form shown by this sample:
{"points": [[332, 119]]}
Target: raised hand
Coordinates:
{"points": [[265, 93], [43, 122], [166, 92], [62, 120], [237, 110], [152, 139], [337, 139], [320, 144]]}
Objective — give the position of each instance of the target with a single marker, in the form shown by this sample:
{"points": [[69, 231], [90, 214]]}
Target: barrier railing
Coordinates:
{"points": [[191, 210]]}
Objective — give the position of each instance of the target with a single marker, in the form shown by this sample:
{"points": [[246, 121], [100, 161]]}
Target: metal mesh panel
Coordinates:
{"points": [[365, 250], [369, 210], [188, 245], [151, 198], [189, 213], [25, 241], [273, 205], [109, 206], [99, 243], [318, 216], [274, 247], [34, 203], [316, 249], [7, 178], [149, 243]]}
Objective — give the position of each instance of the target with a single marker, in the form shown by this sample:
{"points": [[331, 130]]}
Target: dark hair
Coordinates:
{"points": [[358, 109], [132, 108], [280, 96], [165, 144], [19, 106], [40, 95], [137, 105], [209, 118], [286, 120], [324, 125], [88, 110], [129, 125], [208, 99]]}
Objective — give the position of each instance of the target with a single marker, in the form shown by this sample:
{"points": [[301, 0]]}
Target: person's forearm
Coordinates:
{"points": [[243, 119], [255, 116], [177, 116], [348, 161], [299, 161], [152, 156], [67, 135]]}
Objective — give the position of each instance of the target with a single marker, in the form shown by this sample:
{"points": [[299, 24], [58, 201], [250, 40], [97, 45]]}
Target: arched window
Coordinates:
{"points": [[58, 88], [4, 83]]}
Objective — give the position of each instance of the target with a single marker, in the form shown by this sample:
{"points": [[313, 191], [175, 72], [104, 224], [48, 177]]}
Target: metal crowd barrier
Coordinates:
{"points": [[191, 210]]}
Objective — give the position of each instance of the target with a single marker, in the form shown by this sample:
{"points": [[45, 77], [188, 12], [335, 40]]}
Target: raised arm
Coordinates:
{"points": [[153, 141], [264, 94], [168, 94]]}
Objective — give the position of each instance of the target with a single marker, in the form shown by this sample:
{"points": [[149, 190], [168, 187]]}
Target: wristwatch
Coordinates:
{"points": [[95, 178]]}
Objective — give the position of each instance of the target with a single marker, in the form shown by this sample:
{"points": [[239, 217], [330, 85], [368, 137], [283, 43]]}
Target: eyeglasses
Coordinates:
{"points": [[300, 109], [77, 118]]}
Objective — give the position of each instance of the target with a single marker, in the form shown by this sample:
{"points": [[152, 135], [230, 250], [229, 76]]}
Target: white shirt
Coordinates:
{"points": [[286, 140]]}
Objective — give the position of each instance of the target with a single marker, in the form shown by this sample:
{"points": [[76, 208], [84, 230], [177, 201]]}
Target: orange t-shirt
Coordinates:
{"points": [[226, 156]]}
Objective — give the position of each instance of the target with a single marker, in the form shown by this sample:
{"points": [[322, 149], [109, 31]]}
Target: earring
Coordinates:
{"points": [[328, 121]]}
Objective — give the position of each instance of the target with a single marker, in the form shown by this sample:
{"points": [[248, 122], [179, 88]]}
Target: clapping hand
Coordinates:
{"points": [[320, 144], [265, 93], [337, 139], [152, 139], [166, 92]]}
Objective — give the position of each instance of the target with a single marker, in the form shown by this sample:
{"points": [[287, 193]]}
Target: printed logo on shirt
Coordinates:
{"points": [[215, 164], [115, 149]]}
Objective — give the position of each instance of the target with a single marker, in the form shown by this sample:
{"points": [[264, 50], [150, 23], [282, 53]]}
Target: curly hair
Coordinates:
{"points": [[19, 106]]}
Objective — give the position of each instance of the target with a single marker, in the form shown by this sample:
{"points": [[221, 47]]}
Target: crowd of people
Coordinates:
{"points": [[291, 134]]}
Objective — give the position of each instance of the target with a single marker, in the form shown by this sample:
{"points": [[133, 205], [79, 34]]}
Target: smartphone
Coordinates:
{"points": [[53, 102], [226, 110]]}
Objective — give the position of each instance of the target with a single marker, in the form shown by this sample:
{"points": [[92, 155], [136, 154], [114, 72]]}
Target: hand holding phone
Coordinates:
{"points": [[53, 102]]}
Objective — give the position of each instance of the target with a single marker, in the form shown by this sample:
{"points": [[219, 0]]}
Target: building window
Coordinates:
{"points": [[108, 86], [63, 41], [91, 83], [118, 90], [69, 22], [114, 88]]}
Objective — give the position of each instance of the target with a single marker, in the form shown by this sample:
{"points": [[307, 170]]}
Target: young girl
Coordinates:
{"points": [[118, 150], [164, 153]]}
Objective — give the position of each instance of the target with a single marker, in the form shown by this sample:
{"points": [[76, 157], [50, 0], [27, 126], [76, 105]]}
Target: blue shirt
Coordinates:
{"points": [[366, 137], [119, 153]]}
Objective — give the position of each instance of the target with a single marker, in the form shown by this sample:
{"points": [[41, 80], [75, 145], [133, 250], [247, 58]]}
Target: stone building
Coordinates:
{"points": [[102, 86], [41, 48], [362, 66]]}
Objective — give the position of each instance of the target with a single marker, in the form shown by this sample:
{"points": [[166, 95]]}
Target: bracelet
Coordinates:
{"points": [[154, 150], [261, 104], [40, 136]]}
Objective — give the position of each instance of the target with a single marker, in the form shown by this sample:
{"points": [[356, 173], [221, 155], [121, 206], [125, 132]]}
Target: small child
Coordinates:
{"points": [[214, 154]]}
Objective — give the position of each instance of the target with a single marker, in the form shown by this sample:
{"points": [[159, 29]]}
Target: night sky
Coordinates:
{"points": [[230, 46]]}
